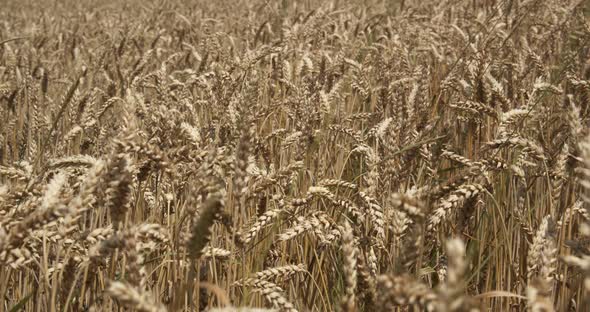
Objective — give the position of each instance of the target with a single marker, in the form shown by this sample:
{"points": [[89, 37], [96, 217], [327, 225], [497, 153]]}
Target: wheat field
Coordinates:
{"points": [[342, 155]]}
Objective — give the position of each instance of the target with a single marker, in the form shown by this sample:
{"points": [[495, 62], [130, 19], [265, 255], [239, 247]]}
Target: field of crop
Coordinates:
{"points": [[258, 155]]}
